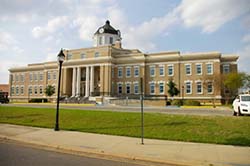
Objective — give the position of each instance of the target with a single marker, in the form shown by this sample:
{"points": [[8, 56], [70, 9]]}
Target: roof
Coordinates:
{"points": [[108, 29], [4, 87]]}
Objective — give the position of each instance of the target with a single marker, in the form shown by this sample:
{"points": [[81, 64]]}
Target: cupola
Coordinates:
{"points": [[106, 35]]}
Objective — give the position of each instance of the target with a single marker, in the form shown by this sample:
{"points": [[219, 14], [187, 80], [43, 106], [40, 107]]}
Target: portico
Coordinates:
{"points": [[84, 80]]}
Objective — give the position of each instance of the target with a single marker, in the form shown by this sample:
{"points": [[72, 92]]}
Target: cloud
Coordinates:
{"points": [[246, 38], [211, 15], [8, 42], [52, 26], [87, 25], [244, 59]]}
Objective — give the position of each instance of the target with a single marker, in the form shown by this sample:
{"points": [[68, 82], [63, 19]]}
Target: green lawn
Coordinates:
{"points": [[206, 129]]}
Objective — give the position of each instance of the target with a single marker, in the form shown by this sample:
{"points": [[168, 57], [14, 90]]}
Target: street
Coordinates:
{"points": [[14, 154]]}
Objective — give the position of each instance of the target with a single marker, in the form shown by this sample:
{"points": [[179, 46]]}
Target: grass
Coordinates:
{"points": [[205, 129]]}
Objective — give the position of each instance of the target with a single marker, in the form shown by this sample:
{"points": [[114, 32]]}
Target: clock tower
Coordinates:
{"points": [[106, 35]]}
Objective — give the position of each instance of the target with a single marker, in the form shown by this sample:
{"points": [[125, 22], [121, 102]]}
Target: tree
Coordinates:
{"points": [[246, 81], [214, 80], [49, 90], [232, 82], [172, 90]]}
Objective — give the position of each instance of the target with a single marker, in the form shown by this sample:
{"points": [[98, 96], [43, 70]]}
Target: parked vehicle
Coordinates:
{"points": [[4, 97], [241, 105]]}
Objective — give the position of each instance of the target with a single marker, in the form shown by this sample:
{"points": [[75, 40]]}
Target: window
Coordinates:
{"points": [[199, 88], [128, 88], [136, 88], [100, 40], [35, 77], [97, 54], [161, 88], [136, 71], [22, 78], [41, 90], [170, 70], [198, 69], [35, 90], [152, 88], [16, 78], [226, 68], [21, 90], [83, 56], [69, 56], [210, 87], [54, 75], [188, 88], [41, 76], [12, 90], [111, 40], [119, 88], [128, 71], [30, 89], [161, 70], [152, 71], [48, 75], [31, 76], [209, 68], [188, 69], [119, 72], [17, 90]]}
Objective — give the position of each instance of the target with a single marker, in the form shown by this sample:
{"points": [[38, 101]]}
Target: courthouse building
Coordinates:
{"points": [[108, 71]]}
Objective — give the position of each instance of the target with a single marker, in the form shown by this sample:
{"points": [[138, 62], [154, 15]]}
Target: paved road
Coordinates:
{"points": [[13, 154], [165, 110]]}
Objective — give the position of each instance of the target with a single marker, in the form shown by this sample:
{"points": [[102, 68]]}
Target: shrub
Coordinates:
{"points": [[191, 103], [177, 102], [39, 100]]}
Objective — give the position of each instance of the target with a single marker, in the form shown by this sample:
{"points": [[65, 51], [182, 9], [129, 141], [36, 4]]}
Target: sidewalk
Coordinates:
{"points": [[170, 152]]}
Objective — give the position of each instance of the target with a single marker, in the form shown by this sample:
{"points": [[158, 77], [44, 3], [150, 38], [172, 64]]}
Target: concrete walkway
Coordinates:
{"points": [[168, 152]]}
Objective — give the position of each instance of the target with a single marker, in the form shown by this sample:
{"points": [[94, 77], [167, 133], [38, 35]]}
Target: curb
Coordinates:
{"points": [[99, 154]]}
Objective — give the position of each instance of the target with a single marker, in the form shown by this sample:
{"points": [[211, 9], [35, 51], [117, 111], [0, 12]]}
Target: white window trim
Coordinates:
{"points": [[196, 68], [212, 68], [223, 67], [172, 70], [191, 89], [137, 67], [163, 66], [40, 89], [128, 85], [136, 84], [197, 87], [163, 88], [128, 68], [118, 85], [150, 71], [35, 90], [120, 68], [150, 87], [212, 88], [21, 87], [17, 87], [190, 69], [31, 74]]}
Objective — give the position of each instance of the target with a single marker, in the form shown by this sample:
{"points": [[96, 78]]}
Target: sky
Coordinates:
{"points": [[33, 31]]}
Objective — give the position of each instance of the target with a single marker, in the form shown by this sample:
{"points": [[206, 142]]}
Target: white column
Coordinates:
{"points": [[87, 82], [78, 78], [74, 82], [91, 79]]}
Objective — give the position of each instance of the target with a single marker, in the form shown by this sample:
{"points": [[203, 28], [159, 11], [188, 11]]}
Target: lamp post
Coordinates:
{"points": [[60, 59]]}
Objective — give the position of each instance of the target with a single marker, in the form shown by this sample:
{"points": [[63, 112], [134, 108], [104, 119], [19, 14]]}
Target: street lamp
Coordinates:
{"points": [[60, 59]]}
